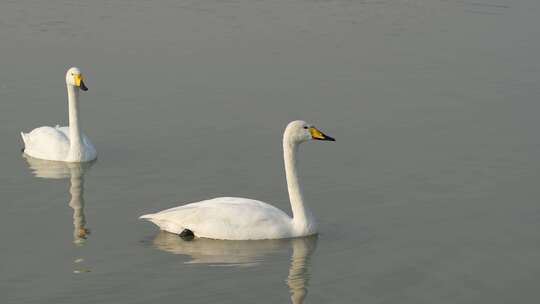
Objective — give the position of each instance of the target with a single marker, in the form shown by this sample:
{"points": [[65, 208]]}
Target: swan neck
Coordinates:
{"points": [[75, 136], [303, 220]]}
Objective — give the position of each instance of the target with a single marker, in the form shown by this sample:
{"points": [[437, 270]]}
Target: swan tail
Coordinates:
{"points": [[25, 140], [151, 217], [163, 224]]}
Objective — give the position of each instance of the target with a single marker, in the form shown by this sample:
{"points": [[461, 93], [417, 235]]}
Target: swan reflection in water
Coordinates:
{"points": [[75, 172], [245, 254]]}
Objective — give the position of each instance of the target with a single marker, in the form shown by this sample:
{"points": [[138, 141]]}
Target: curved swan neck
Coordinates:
{"points": [[302, 217], [74, 124]]}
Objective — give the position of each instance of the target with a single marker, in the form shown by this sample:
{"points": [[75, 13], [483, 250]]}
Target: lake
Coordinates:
{"points": [[429, 195]]}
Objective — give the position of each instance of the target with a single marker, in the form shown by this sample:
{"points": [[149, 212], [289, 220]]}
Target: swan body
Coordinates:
{"points": [[226, 218], [234, 218], [68, 144], [53, 143]]}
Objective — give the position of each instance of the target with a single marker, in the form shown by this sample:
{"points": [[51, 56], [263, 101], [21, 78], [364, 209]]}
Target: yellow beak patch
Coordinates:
{"points": [[316, 134], [78, 78]]}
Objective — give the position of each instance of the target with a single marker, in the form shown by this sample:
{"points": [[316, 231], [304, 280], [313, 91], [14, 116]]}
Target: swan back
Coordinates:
{"points": [[46, 143]]}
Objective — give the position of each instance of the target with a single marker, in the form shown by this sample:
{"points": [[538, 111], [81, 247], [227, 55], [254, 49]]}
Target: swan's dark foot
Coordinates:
{"points": [[187, 235]]}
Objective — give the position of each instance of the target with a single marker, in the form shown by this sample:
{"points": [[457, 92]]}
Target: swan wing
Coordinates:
{"points": [[46, 143], [227, 218]]}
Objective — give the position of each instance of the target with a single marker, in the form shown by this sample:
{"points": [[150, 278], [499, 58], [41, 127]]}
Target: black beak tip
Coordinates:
{"points": [[325, 138], [83, 86]]}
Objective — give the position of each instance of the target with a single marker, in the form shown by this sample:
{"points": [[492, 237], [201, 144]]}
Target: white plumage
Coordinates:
{"points": [[53, 144], [67, 144], [234, 218], [230, 218]]}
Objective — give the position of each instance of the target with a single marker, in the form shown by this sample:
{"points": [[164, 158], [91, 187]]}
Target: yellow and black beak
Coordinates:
{"points": [[79, 82], [318, 135]]}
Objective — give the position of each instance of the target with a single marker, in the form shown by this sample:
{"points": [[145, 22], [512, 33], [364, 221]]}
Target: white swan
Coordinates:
{"points": [[68, 144], [233, 218]]}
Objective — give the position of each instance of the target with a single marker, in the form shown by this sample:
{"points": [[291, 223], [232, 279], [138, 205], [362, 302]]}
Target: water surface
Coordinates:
{"points": [[429, 195]]}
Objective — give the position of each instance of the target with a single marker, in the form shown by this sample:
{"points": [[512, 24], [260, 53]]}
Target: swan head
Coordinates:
{"points": [[299, 131], [75, 78]]}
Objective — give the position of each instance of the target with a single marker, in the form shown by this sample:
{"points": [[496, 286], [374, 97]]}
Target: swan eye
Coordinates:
{"points": [[305, 127]]}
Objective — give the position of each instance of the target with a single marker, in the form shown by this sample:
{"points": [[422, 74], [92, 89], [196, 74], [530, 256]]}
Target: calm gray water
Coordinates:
{"points": [[430, 194]]}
